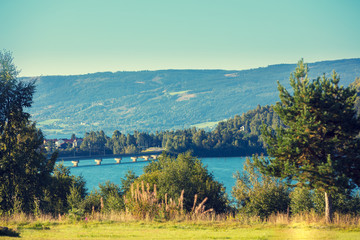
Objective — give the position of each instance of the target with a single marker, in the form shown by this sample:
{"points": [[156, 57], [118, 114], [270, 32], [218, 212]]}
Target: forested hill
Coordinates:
{"points": [[159, 100], [238, 136]]}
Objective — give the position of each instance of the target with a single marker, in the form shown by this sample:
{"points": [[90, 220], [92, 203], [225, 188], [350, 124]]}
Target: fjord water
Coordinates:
{"points": [[222, 169]]}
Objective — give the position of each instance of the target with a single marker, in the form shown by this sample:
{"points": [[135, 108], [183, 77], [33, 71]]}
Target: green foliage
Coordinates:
{"points": [[107, 199], [24, 169], [172, 175], [75, 198], [238, 136], [64, 191], [128, 179], [301, 200], [258, 194], [112, 197], [305, 200], [356, 85], [95, 143], [92, 202], [343, 202], [319, 147]]}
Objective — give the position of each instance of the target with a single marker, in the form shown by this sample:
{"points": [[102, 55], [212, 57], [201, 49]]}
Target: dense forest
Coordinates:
{"points": [[238, 136]]}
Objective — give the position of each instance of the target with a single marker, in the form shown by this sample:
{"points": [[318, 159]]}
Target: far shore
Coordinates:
{"points": [[147, 153]]}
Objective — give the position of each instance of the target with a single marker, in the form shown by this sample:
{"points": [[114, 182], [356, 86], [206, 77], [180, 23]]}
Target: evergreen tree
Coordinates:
{"points": [[319, 147]]}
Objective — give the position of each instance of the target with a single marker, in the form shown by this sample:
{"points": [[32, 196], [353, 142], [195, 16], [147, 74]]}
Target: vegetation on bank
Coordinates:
{"points": [[238, 136]]}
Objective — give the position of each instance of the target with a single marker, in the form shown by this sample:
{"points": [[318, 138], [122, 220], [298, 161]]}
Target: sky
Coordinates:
{"points": [[50, 37]]}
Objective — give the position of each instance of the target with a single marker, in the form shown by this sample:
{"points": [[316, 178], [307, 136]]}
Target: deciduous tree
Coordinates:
{"points": [[24, 169]]}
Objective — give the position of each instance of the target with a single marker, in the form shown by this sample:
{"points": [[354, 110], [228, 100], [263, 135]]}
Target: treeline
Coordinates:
{"points": [[238, 136]]}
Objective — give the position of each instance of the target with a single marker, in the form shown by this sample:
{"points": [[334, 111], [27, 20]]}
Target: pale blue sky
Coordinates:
{"points": [[83, 36]]}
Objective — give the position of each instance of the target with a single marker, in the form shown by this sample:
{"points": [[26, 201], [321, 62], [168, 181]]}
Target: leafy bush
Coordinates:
{"points": [[304, 200], [107, 199], [258, 194], [343, 202], [112, 197], [92, 202], [126, 182], [301, 200], [59, 189], [173, 175]]}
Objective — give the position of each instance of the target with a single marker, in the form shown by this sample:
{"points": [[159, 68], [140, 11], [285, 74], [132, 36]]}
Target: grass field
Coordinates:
{"points": [[178, 93], [49, 121], [205, 125], [132, 229]]}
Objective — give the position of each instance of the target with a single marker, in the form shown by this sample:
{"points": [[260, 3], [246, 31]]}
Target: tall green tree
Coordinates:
{"points": [[24, 169], [319, 147]]}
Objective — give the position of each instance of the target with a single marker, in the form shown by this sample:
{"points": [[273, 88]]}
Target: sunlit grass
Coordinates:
{"points": [[49, 121], [125, 226], [205, 125], [178, 93]]}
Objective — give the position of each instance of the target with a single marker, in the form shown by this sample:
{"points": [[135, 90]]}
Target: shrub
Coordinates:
{"points": [[173, 175], [126, 182], [112, 197], [343, 202], [301, 200], [258, 194], [59, 189], [107, 199], [92, 202]]}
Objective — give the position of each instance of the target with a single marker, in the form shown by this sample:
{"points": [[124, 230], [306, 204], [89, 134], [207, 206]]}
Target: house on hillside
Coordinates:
{"points": [[77, 142], [64, 143]]}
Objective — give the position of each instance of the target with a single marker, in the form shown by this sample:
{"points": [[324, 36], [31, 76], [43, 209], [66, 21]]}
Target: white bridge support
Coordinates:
{"points": [[154, 156], [118, 160], [146, 158], [98, 161], [75, 163], [134, 159]]}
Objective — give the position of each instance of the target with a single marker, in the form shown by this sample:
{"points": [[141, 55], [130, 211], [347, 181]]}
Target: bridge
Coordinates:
{"points": [[117, 159]]}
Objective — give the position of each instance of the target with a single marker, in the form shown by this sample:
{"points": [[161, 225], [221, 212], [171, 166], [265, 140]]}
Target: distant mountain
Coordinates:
{"points": [[164, 99]]}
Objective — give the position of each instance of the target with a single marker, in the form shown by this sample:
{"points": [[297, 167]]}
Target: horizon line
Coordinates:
{"points": [[188, 69]]}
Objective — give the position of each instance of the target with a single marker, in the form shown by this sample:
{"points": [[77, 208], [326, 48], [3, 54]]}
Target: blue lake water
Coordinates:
{"points": [[222, 169]]}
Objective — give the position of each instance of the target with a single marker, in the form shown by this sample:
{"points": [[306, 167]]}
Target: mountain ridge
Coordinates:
{"points": [[154, 100]]}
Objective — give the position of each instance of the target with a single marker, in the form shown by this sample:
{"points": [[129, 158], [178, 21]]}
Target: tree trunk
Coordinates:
{"points": [[328, 208]]}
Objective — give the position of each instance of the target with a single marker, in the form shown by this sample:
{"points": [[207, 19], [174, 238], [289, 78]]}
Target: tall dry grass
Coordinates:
{"points": [[145, 204], [344, 221]]}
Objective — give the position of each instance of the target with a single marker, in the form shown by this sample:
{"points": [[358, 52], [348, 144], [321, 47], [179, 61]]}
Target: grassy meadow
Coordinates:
{"points": [[122, 226]]}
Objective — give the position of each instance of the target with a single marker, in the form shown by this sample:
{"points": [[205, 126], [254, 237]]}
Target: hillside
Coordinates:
{"points": [[164, 99]]}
